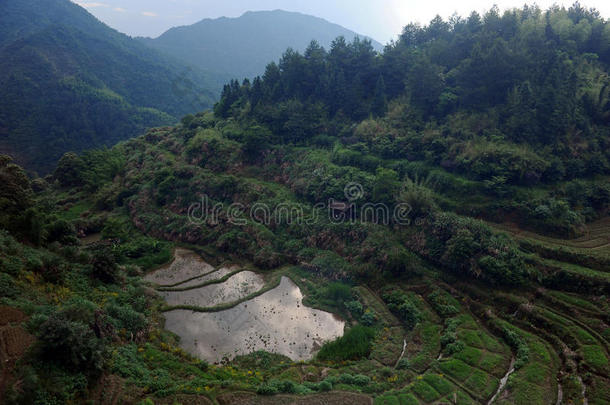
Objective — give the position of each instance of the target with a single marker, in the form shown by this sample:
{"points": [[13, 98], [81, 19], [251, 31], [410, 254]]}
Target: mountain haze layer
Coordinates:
{"points": [[242, 47]]}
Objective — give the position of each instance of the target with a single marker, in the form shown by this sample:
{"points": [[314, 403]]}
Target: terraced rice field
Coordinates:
{"points": [[238, 286], [471, 374], [222, 313], [476, 346], [596, 238], [582, 264], [470, 345], [186, 266]]}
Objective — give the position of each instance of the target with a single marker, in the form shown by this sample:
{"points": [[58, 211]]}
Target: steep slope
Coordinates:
{"points": [[68, 82], [18, 19], [242, 47]]}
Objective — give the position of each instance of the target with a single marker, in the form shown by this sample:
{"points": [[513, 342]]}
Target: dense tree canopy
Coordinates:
{"points": [[525, 77]]}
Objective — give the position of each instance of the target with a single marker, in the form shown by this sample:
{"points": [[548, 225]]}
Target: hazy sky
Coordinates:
{"points": [[380, 19]]}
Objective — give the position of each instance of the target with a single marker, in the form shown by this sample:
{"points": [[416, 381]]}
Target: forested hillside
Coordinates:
{"points": [[524, 78], [446, 200], [69, 82], [242, 47], [519, 99]]}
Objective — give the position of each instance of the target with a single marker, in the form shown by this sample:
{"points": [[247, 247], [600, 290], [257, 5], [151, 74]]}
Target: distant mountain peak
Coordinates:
{"points": [[243, 46]]}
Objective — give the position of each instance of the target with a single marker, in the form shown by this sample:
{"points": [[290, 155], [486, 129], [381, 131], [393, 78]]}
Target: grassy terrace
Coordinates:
{"points": [[458, 349], [590, 250]]}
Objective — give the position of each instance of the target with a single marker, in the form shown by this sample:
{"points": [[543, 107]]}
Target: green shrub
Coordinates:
{"points": [[60, 231], [53, 269], [126, 318], [515, 341], [403, 364], [104, 266], [443, 304], [419, 197], [79, 309], [7, 286], [400, 262], [449, 335], [325, 386], [386, 372], [346, 379], [71, 343], [330, 263], [266, 389], [337, 292], [453, 348], [369, 318], [470, 247], [284, 386], [354, 345], [400, 305], [70, 170], [361, 380], [354, 307]]}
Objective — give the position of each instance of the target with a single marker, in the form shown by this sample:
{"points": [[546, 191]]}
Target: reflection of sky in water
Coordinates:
{"points": [[186, 265], [220, 273], [236, 287], [276, 322]]}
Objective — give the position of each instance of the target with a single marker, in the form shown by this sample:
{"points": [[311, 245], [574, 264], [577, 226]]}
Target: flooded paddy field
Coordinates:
{"points": [[185, 266], [275, 321], [238, 286]]}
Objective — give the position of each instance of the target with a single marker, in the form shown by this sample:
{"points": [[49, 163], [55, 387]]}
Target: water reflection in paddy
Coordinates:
{"points": [[186, 265], [236, 287], [220, 273], [275, 321]]}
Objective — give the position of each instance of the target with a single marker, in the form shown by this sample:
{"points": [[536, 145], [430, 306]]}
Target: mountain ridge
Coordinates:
{"points": [[376, 44], [44, 52], [205, 42]]}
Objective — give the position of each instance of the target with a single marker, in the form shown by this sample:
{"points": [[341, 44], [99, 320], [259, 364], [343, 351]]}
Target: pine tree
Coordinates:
{"points": [[380, 100]]}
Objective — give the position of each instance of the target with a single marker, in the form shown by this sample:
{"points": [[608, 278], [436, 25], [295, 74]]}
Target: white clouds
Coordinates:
{"points": [[96, 5], [91, 5], [148, 14]]}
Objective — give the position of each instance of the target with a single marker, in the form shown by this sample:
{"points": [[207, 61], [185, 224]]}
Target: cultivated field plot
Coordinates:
{"points": [[435, 343], [226, 312], [477, 346], [596, 238]]}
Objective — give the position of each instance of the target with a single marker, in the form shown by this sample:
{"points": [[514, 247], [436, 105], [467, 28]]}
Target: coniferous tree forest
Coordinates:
{"points": [[526, 83], [443, 205]]}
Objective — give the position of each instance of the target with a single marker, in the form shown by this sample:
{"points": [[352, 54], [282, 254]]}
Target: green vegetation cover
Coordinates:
{"points": [[447, 199], [69, 82]]}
